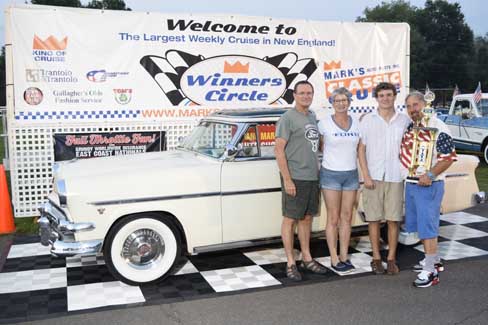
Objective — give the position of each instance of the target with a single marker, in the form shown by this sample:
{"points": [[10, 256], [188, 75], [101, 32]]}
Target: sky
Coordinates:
{"points": [[475, 11]]}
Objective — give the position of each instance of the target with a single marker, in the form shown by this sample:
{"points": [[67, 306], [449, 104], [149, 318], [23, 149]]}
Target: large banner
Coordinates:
{"points": [[91, 65]]}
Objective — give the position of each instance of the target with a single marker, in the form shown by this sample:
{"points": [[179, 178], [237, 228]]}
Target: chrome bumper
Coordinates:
{"points": [[58, 232]]}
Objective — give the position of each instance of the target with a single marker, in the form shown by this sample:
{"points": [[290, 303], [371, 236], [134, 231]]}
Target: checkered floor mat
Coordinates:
{"points": [[35, 285]]}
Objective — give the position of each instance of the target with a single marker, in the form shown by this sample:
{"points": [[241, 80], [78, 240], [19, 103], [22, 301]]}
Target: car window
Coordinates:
{"points": [[462, 107], [258, 141], [210, 138], [483, 107]]}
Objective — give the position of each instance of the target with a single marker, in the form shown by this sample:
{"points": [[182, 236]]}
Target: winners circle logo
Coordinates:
{"points": [[240, 80], [227, 80]]}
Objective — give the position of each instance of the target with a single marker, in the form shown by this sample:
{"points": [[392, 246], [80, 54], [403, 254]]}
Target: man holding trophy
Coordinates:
{"points": [[427, 151]]}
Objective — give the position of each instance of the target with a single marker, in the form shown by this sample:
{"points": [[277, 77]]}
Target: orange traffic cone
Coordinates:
{"points": [[6, 217]]}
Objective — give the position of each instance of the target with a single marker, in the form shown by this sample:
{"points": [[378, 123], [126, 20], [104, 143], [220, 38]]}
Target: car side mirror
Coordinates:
{"points": [[231, 151]]}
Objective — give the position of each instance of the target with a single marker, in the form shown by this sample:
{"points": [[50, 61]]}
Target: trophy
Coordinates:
{"points": [[423, 142]]}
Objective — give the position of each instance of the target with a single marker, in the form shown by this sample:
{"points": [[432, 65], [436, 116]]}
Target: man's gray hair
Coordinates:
{"points": [[341, 91], [417, 94]]}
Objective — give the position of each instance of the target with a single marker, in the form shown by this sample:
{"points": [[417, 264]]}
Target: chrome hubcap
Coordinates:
{"points": [[143, 247]]}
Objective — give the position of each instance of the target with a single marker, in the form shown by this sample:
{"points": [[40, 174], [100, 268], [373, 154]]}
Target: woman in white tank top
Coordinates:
{"points": [[339, 179]]}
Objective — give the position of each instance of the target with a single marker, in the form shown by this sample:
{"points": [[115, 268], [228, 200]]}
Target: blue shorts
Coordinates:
{"points": [[347, 180], [423, 208]]}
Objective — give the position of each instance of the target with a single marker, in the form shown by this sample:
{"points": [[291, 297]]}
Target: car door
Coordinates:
{"points": [[250, 186]]}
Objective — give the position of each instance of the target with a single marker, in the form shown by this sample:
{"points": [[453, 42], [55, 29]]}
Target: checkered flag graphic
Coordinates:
{"points": [[293, 69], [167, 71]]}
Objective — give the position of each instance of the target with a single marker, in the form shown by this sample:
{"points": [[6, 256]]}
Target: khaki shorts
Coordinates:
{"points": [[385, 201]]}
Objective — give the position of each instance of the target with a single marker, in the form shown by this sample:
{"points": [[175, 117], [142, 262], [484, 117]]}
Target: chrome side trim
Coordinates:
{"points": [[185, 196]]}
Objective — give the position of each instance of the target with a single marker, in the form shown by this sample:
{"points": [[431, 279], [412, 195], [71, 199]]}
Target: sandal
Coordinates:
{"points": [[392, 268], [314, 267], [292, 273], [377, 267]]}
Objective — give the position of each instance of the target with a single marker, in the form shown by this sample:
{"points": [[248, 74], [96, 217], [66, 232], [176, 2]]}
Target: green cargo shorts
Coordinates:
{"points": [[305, 202]]}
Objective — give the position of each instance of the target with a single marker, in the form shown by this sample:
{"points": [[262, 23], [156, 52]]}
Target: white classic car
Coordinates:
{"points": [[220, 189]]}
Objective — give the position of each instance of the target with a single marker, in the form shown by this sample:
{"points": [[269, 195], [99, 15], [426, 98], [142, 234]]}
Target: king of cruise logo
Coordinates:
{"points": [[227, 80], [50, 49]]}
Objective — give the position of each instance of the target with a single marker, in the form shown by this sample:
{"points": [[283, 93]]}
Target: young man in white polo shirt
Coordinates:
{"points": [[379, 149]]}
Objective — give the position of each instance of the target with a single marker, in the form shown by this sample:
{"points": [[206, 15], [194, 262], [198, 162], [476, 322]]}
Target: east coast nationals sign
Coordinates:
{"points": [[85, 65]]}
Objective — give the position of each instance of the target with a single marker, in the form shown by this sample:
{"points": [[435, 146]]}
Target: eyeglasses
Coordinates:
{"points": [[337, 101]]}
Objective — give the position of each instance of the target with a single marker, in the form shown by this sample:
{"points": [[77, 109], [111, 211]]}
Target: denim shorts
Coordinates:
{"points": [[347, 180]]}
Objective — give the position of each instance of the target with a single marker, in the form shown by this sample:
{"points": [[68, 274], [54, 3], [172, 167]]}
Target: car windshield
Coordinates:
{"points": [[483, 107], [210, 138]]}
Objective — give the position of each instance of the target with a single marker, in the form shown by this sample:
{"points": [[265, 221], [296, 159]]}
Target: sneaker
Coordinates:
{"points": [[420, 266], [342, 267], [377, 267], [348, 263], [292, 273], [426, 279]]}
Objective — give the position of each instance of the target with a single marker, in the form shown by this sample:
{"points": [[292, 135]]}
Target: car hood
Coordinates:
{"points": [[140, 176]]}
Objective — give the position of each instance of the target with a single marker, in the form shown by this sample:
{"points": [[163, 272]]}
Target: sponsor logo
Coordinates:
{"points": [[33, 96], [360, 80], [77, 96], [102, 75], [123, 95], [50, 49], [50, 76], [312, 135], [227, 80]]}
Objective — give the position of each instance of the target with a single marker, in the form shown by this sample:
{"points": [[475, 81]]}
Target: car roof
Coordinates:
{"points": [[248, 114]]}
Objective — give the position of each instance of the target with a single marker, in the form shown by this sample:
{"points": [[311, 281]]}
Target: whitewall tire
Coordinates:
{"points": [[142, 249]]}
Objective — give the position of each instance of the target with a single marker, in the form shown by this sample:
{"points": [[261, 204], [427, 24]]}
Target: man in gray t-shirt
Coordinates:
{"points": [[297, 142]]}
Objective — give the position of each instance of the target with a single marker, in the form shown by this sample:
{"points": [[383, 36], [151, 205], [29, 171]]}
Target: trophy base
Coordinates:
{"points": [[411, 179]]}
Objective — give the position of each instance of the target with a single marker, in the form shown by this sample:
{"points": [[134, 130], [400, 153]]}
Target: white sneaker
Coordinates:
{"points": [[426, 279]]}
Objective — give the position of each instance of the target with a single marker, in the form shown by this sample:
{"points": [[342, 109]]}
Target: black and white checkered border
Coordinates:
{"points": [[78, 115]]}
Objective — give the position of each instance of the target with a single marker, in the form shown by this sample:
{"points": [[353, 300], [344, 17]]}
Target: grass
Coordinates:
{"points": [[28, 225]]}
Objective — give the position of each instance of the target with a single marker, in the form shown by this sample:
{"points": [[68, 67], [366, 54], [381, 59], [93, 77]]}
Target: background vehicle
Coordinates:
{"points": [[468, 123]]}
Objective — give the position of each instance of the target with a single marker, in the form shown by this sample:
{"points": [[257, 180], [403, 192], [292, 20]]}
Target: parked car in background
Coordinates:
{"points": [[220, 189], [468, 123], [441, 110]]}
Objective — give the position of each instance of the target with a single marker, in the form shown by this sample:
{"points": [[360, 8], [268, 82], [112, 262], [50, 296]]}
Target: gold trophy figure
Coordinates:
{"points": [[423, 142]]}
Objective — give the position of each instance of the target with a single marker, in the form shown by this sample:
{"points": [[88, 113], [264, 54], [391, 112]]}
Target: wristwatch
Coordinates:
{"points": [[431, 175]]}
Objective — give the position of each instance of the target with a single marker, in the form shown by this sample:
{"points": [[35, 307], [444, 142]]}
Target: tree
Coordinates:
{"points": [[61, 3], [449, 42], [107, 4], [479, 65]]}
